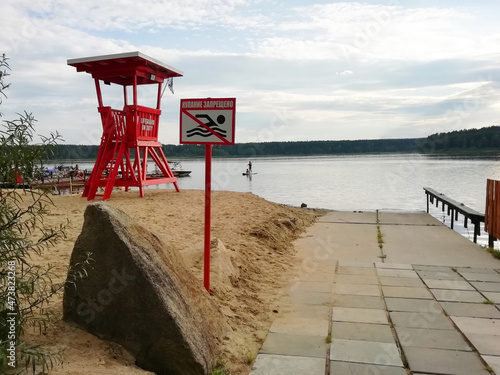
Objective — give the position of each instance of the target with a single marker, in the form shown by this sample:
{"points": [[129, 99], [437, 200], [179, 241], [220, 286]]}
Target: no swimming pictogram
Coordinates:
{"points": [[207, 121]]}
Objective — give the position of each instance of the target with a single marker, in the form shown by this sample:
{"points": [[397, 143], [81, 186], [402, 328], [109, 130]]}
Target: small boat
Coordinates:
{"points": [[181, 173], [177, 170], [248, 173]]}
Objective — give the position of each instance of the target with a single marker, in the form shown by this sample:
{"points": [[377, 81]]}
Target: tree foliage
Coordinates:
{"points": [[467, 140]]}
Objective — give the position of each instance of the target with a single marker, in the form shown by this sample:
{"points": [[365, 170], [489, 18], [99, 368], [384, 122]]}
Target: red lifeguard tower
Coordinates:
{"points": [[130, 136]]}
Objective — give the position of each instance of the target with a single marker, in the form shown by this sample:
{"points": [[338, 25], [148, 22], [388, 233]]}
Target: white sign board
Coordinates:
{"points": [[207, 121]]}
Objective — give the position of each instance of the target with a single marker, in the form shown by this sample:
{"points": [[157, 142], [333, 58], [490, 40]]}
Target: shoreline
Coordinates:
{"points": [[485, 154]]}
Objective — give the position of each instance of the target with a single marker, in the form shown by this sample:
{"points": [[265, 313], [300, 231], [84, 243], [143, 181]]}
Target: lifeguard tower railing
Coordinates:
{"points": [[130, 135]]}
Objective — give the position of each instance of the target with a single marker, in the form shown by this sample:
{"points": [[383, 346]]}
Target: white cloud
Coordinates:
{"points": [[355, 31], [345, 73], [295, 49], [129, 15]]}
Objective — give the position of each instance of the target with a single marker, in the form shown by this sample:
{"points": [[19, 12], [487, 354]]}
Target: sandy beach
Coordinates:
{"points": [[258, 234]]}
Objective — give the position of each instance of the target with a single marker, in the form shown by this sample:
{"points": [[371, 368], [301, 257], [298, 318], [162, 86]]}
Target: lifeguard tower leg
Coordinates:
{"points": [[130, 175], [168, 171], [103, 158], [145, 163], [137, 164], [116, 162]]}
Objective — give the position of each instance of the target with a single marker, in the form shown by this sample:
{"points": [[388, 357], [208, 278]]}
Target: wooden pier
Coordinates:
{"points": [[454, 208]]}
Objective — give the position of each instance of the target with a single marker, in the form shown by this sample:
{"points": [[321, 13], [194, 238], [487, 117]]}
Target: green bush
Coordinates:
{"points": [[25, 287]]}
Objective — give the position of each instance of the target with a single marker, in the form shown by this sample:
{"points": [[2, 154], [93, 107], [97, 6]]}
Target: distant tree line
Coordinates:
{"points": [[484, 139], [461, 141]]}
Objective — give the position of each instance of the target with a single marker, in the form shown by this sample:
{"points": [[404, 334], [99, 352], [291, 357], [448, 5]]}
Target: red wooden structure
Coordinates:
{"points": [[492, 214], [130, 135]]}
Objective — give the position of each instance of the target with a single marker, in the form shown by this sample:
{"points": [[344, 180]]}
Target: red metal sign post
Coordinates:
{"points": [[208, 209], [207, 121]]}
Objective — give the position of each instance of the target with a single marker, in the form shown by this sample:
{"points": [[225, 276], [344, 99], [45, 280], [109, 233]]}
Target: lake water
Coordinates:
{"points": [[352, 183]]}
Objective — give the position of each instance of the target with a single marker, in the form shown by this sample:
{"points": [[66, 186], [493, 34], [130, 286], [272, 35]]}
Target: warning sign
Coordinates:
{"points": [[207, 121]]}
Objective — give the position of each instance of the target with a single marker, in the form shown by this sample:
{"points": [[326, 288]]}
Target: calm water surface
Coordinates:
{"points": [[368, 182], [361, 183]]}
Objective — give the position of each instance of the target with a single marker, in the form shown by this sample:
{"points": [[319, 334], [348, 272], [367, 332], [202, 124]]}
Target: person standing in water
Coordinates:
{"points": [[250, 167]]}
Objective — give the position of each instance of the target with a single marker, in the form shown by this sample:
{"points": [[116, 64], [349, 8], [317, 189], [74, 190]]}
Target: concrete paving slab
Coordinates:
{"points": [[267, 364], [428, 306], [384, 272], [367, 302], [475, 270], [416, 244], [357, 289], [297, 345], [352, 368], [300, 326], [342, 270], [362, 331], [439, 361], [486, 286], [474, 276], [448, 284], [493, 362], [310, 298], [356, 279], [432, 338], [377, 353], [312, 286], [477, 326], [313, 269], [406, 292], [402, 281], [399, 266], [492, 296], [424, 267], [358, 315], [449, 295], [440, 275], [349, 217], [420, 320], [309, 311], [485, 344], [327, 242], [473, 310], [346, 263], [414, 218], [313, 275]]}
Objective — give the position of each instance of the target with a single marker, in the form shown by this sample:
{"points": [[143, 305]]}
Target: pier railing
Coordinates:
{"points": [[454, 208]]}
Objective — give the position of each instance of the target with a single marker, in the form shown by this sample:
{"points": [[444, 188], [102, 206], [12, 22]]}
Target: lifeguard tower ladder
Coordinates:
{"points": [[130, 136]]}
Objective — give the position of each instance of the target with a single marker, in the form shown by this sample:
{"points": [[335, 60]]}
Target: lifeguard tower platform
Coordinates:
{"points": [[130, 135]]}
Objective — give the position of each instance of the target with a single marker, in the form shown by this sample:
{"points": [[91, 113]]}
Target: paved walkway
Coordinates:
{"points": [[425, 302]]}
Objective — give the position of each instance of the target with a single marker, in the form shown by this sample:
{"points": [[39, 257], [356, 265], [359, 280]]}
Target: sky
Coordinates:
{"points": [[299, 70]]}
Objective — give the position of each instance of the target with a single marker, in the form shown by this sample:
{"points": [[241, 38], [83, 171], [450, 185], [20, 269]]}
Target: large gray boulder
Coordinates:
{"points": [[141, 296]]}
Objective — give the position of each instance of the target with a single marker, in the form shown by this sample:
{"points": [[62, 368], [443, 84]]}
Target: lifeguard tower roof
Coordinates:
{"points": [[122, 68]]}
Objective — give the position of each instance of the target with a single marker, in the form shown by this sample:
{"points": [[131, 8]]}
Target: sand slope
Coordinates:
{"points": [[256, 234]]}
